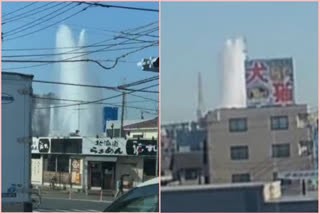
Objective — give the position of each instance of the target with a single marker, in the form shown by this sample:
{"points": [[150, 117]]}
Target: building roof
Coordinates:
{"points": [[153, 123]]}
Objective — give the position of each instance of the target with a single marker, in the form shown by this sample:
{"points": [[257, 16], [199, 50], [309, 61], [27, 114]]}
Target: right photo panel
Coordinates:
{"points": [[239, 107]]}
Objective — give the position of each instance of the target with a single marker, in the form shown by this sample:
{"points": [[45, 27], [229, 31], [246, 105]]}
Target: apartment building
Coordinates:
{"points": [[256, 144]]}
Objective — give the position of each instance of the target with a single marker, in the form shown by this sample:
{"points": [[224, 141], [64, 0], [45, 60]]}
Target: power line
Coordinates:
{"points": [[40, 20], [93, 44], [78, 60], [21, 8], [146, 98], [48, 26], [116, 88], [73, 47], [101, 103], [31, 12], [59, 54], [119, 7], [100, 100]]}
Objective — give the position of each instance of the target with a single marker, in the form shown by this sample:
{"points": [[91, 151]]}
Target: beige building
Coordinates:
{"points": [[256, 144]]}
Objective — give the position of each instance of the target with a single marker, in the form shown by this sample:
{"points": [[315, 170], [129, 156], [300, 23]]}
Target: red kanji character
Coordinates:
{"points": [[257, 72], [283, 92]]}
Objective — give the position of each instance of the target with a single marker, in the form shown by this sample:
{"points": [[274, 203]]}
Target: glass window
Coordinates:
{"points": [[280, 150], [191, 174], [279, 122], [238, 125], [50, 163], [63, 163], [239, 153], [236, 178], [73, 146], [149, 167]]}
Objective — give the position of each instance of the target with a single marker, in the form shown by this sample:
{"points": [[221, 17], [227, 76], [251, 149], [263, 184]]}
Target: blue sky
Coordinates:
{"points": [[97, 22], [193, 33]]}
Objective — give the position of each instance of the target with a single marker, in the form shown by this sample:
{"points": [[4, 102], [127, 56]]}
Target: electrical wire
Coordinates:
{"points": [[99, 100], [41, 20], [116, 88], [19, 9], [48, 26], [119, 7], [31, 12]]}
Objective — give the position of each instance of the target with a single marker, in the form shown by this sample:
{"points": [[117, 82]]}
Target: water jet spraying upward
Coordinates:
{"points": [[85, 118], [233, 73]]}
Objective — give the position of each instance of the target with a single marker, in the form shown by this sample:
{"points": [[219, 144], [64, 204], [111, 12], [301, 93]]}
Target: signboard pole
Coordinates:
{"points": [[122, 113]]}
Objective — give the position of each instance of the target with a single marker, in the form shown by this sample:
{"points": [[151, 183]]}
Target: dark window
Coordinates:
{"points": [[239, 153], [137, 136], [238, 125], [149, 167], [245, 177], [71, 146], [35, 156], [279, 122], [191, 174], [63, 163], [280, 150], [275, 176], [50, 163]]}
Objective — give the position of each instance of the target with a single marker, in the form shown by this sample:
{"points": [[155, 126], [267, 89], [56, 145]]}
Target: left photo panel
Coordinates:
{"points": [[79, 106]]}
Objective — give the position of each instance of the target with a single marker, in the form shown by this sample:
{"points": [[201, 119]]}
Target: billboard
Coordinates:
{"points": [[269, 82], [109, 113], [96, 146]]}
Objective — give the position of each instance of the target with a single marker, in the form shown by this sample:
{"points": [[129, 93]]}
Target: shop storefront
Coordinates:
{"points": [[92, 163]]}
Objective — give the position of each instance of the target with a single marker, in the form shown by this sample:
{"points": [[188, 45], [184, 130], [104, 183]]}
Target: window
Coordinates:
{"points": [[63, 163], [66, 145], [149, 167], [238, 125], [279, 122], [236, 178], [191, 174], [275, 176], [280, 150], [50, 163], [239, 153]]}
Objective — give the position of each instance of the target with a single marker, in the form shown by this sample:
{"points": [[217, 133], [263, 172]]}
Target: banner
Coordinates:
{"points": [[269, 82]]}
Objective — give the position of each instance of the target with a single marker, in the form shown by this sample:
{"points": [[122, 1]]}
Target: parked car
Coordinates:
{"points": [[143, 198]]}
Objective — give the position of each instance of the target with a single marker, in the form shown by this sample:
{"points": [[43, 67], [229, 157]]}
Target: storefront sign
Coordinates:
{"points": [[141, 147], [104, 146]]}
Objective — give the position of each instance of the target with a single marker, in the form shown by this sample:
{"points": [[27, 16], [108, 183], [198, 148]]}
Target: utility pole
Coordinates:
{"points": [[122, 113]]}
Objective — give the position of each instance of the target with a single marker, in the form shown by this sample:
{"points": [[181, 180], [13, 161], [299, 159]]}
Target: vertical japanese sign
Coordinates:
{"points": [[269, 82]]}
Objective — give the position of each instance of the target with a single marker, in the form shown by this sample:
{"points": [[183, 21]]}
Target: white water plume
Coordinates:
{"points": [[85, 118], [233, 73]]}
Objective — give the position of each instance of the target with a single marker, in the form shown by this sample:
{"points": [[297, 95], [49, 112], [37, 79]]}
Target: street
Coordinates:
{"points": [[79, 202]]}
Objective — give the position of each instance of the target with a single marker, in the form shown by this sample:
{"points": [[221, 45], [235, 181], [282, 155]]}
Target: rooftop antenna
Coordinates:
{"points": [[200, 107]]}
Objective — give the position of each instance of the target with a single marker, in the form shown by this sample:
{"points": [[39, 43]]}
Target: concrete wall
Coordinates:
{"points": [[259, 138]]}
